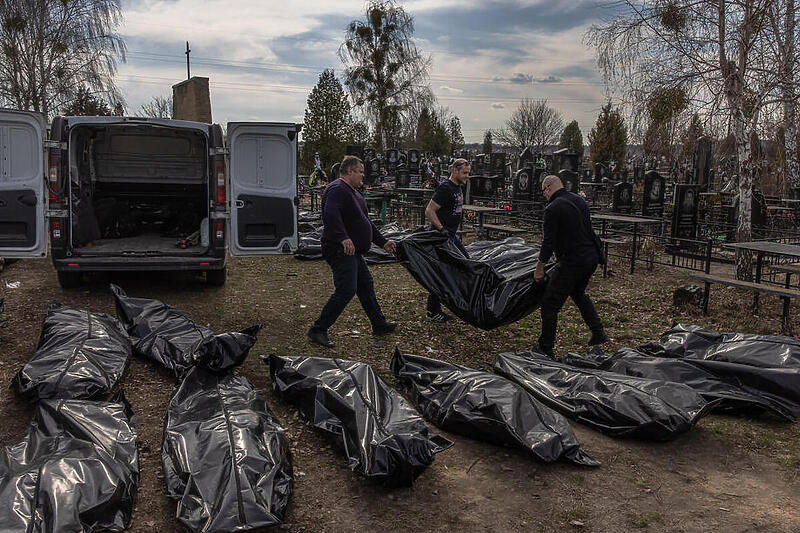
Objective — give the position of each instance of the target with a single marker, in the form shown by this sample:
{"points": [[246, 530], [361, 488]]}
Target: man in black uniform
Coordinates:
{"points": [[568, 232], [347, 234], [444, 213]]}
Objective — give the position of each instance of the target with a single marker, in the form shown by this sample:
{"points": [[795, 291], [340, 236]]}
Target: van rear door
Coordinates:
{"points": [[22, 193], [263, 187]]}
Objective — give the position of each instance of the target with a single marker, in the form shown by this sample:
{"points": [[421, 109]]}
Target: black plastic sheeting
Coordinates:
{"points": [[731, 394], [495, 286], [81, 355], [226, 458], [76, 470], [310, 246], [166, 335], [767, 364], [488, 407], [615, 404], [381, 434]]}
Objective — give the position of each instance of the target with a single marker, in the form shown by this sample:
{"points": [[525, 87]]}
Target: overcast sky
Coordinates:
{"points": [[263, 57]]}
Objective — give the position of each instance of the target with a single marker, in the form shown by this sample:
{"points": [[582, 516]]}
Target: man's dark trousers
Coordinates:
{"points": [[351, 277], [567, 281], [434, 306]]}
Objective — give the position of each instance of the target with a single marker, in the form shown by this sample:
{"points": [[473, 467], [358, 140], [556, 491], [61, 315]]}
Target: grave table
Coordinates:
{"points": [[482, 210], [606, 218], [384, 196], [761, 249]]}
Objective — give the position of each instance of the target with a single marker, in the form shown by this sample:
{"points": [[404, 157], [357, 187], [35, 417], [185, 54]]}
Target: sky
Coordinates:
{"points": [[263, 57]]}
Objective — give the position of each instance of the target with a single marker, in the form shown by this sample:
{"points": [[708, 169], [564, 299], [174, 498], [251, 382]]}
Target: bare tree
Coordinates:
{"points": [[715, 50], [52, 48], [158, 107], [534, 124]]}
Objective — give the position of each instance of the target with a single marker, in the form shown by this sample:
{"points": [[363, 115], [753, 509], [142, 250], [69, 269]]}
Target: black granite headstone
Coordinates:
{"points": [[600, 172], [684, 211], [523, 184], [498, 163], [357, 151], [622, 199], [402, 179], [413, 161], [392, 158], [702, 162], [526, 158], [653, 197], [372, 171], [334, 174], [570, 179]]}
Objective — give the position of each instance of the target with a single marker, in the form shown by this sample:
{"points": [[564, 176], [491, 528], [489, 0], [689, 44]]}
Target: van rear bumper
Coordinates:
{"points": [[128, 263]]}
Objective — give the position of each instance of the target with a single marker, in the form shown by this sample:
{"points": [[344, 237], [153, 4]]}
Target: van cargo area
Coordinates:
{"points": [[138, 189]]}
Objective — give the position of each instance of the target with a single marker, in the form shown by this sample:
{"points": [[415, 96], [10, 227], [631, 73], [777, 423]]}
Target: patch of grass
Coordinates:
{"points": [[578, 479], [643, 521]]}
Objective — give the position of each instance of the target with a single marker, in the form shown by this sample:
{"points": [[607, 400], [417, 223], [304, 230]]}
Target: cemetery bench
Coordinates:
{"points": [[502, 229], [758, 288]]}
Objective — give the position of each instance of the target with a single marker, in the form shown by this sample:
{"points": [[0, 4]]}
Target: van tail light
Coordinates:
{"points": [[54, 174], [219, 176], [219, 230]]}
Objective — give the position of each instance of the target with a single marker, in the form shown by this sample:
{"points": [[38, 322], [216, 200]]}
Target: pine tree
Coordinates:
{"points": [[487, 142], [327, 125], [86, 104], [455, 135], [608, 140], [572, 138]]}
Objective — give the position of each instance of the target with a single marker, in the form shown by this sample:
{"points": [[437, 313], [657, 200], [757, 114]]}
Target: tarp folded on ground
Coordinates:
{"points": [[166, 335], [767, 364], [81, 355], [489, 407], [383, 437], [77, 469], [495, 286], [733, 396], [310, 246], [226, 458], [616, 404]]}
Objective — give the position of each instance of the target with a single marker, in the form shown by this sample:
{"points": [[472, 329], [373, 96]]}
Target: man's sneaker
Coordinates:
{"points": [[383, 329], [598, 337], [320, 337], [439, 317]]}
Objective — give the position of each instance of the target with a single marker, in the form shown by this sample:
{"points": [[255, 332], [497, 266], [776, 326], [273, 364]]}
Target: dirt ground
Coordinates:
{"points": [[728, 474]]}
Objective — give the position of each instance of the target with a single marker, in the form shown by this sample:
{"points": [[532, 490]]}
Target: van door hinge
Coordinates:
{"points": [[218, 151], [55, 144]]}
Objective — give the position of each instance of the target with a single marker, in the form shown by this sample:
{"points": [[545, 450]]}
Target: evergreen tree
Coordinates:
{"points": [[455, 135], [608, 140], [327, 125], [487, 142], [86, 104], [572, 138]]}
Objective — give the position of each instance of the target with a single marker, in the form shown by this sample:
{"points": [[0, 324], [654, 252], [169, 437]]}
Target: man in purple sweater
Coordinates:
{"points": [[347, 234]]}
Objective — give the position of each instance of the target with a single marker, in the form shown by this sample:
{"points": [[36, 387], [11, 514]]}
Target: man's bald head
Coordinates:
{"points": [[550, 184]]}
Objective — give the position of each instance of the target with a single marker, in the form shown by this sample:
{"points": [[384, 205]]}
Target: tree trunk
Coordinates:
{"points": [[787, 82]]}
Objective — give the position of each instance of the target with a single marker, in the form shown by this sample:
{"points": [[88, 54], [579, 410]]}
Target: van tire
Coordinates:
{"points": [[69, 280], [217, 278]]}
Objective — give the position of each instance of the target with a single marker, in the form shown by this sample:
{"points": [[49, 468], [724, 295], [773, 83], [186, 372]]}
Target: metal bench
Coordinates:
{"points": [[606, 241], [783, 292]]}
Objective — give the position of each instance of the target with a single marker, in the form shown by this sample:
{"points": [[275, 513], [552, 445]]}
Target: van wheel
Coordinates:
{"points": [[216, 277], [69, 280]]}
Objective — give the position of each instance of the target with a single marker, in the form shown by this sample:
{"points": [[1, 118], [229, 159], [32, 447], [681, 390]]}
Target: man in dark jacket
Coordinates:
{"points": [[568, 232], [347, 234]]}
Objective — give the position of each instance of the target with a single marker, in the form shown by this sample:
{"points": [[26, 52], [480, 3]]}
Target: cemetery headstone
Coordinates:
{"points": [[600, 172], [565, 159], [334, 172], [653, 197], [703, 162], [526, 158], [587, 175], [622, 199], [392, 159], [570, 179], [523, 184], [357, 151], [498, 162], [402, 179], [684, 211], [413, 161]]}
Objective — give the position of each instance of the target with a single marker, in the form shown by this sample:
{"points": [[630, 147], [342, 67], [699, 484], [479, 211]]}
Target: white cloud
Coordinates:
{"points": [[451, 90], [498, 105]]}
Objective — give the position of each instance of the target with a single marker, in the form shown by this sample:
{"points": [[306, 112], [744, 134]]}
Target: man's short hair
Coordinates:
{"points": [[350, 162], [551, 179], [458, 163]]}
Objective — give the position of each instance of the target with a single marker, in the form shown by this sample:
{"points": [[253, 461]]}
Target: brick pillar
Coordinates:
{"points": [[191, 100]]}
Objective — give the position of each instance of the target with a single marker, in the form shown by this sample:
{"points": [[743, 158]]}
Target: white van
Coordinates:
{"points": [[127, 193]]}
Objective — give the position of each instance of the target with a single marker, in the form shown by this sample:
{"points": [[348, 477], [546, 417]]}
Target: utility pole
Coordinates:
{"points": [[188, 71]]}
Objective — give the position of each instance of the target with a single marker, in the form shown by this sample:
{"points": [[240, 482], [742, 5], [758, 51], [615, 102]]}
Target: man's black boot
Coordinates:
{"points": [[320, 337], [547, 351], [598, 337], [383, 329]]}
